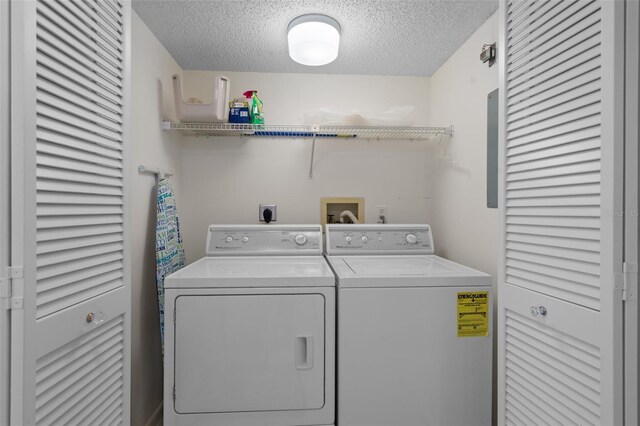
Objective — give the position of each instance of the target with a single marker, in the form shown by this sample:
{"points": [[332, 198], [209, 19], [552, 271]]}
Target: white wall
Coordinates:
{"points": [[152, 102], [225, 179], [465, 230]]}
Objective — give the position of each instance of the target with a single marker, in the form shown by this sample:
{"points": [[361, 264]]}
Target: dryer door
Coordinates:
{"points": [[240, 353]]}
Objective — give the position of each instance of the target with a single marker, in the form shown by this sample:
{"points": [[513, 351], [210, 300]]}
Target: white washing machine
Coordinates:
{"points": [[250, 331], [414, 330]]}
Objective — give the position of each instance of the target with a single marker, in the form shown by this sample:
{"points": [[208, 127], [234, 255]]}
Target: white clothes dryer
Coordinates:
{"points": [[250, 331], [414, 330]]}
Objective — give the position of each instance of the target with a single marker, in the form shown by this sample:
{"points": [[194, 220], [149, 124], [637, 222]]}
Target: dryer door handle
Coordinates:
{"points": [[304, 352]]}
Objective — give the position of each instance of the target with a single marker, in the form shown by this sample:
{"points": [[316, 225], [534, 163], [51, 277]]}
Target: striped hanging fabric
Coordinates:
{"points": [[169, 250]]}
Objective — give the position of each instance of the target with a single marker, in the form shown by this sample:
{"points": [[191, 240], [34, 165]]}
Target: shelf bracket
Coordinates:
{"points": [[315, 129]]}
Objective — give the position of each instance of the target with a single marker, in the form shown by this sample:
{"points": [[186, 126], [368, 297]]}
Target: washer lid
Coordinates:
{"points": [[403, 271], [253, 271]]}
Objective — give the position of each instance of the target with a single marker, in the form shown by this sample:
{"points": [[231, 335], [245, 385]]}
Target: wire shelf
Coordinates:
{"points": [[307, 131]]}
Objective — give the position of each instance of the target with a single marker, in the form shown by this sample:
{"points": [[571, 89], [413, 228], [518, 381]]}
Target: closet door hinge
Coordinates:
{"points": [[630, 281], [9, 297]]}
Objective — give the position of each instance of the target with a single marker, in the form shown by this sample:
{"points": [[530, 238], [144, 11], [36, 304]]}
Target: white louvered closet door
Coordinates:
{"points": [[70, 333], [560, 312]]}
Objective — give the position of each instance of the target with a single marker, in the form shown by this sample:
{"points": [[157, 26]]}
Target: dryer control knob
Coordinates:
{"points": [[228, 239], [348, 238], [245, 239], [300, 239], [411, 239], [364, 238]]}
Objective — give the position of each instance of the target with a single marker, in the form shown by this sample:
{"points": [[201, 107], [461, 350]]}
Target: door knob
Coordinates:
{"points": [[538, 311]]}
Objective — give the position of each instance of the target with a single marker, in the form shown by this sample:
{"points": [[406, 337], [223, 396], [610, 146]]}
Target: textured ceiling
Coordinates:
{"points": [[380, 37]]}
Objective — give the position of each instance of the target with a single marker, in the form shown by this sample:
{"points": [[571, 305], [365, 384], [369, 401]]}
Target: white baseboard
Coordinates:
{"points": [[156, 417]]}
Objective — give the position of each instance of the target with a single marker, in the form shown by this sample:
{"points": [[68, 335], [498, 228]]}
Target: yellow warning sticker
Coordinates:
{"points": [[473, 313]]}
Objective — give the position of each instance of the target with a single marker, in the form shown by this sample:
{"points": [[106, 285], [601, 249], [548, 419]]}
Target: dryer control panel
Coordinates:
{"points": [[379, 239], [264, 240]]}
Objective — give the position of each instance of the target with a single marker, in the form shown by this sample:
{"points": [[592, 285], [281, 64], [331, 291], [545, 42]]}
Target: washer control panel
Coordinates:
{"points": [[379, 239], [256, 240]]}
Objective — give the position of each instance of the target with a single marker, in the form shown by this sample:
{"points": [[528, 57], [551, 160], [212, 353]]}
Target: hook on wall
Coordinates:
{"points": [[161, 174]]}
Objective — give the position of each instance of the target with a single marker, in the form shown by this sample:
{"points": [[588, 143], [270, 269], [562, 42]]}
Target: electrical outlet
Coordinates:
{"points": [[263, 207], [382, 214]]}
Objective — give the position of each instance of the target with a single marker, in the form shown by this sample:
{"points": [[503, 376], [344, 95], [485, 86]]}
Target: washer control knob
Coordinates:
{"points": [[245, 239], [364, 238], [411, 239], [228, 239], [348, 238], [300, 239]]}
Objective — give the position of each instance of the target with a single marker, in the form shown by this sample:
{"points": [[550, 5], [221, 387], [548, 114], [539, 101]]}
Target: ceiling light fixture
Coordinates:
{"points": [[314, 39]]}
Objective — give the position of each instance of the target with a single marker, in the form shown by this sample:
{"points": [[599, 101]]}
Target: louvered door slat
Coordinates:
{"points": [[524, 15], [564, 149], [572, 200], [54, 162], [100, 29], [537, 24], [71, 77], [554, 241], [79, 101], [58, 257], [82, 29], [114, 9], [70, 221], [541, 274], [72, 376], [78, 76], [76, 57], [563, 253], [104, 404], [557, 144], [554, 42], [548, 274], [563, 118], [68, 291], [545, 32], [550, 358], [561, 129], [583, 163], [515, 416], [107, 12], [546, 111], [78, 283], [577, 233], [543, 280], [567, 377], [62, 151], [534, 194], [82, 88], [566, 397], [58, 102], [85, 123], [65, 39], [582, 53], [49, 271], [516, 7], [56, 13], [555, 183], [104, 20], [87, 380], [70, 379], [560, 148]]}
